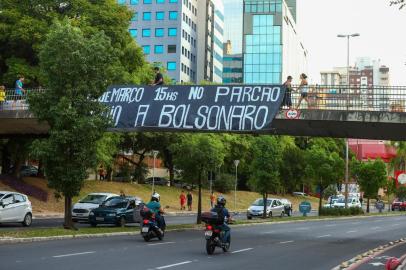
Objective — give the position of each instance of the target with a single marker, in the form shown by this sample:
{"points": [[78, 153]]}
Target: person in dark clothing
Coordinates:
{"points": [[221, 205], [287, 99], [189, 201], [159, 79]]}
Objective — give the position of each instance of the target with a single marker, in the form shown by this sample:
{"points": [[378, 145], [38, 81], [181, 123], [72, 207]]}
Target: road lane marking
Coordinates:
{"points": [[375, 228], [74, 254], [355, 223], [322, 236], [241, 250], [270, 232], [302, 228], [164, 243], [285, 242], [351, 231], [331, 225], [173, 265], [394, 225], [378, 220]]}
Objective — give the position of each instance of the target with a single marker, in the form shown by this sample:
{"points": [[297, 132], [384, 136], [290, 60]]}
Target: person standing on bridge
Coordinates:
{"points": [[287, 100], [2, 95], [303, 89], [159, 79], [19, 90]]}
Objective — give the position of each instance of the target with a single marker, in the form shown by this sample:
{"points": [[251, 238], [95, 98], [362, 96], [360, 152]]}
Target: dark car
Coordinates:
{"points": [[158, 181], [118, 211]]}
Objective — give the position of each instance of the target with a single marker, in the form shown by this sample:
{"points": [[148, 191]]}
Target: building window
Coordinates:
{"points": [[121, 2], [133, 2], [171, 48], [146, 16], [172, 32], [159, 49], [159, 32], [147, 1], [133, 33], [159, 15], [135, 17], [171, 66], [146, 32], [146, 49], [173, 15], [160, 1], [173, 1]]}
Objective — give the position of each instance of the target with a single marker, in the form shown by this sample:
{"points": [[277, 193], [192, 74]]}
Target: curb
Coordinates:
{"points": [[358, 260]]}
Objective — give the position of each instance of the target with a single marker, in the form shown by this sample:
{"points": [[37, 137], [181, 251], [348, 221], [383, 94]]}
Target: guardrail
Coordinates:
{"points": [[318, 97]]}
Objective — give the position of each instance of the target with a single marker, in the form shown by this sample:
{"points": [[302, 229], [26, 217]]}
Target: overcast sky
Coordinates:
{"points": [[382, 29]]}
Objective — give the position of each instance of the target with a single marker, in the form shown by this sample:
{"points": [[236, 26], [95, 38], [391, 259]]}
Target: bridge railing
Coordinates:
{"points": [[315, 97]]}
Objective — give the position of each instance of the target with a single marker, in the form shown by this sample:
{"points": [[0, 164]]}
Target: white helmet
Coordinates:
{"points": [[156, 196]]}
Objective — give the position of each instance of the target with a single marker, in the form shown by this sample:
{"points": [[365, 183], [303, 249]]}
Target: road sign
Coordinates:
{"points": [[305, 208], [292, 114]]}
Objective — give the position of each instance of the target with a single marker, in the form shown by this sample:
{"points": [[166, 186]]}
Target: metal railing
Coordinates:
{"points": [[318, 97]]}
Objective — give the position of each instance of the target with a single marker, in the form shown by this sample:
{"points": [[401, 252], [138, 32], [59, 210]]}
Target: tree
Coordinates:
{"points": [[399, 162], [194, 154], [292, 168], [401, 192], [324, 168], [107, 149], [371, 176], [77, 69], [265, 167]]}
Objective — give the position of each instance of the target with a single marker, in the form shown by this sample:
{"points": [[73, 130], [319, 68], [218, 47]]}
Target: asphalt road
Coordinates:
{"points": [[301, 245], [170, 220]]}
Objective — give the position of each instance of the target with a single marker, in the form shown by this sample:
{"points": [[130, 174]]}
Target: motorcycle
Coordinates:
{"points": [[214, 234], [150, 229]]}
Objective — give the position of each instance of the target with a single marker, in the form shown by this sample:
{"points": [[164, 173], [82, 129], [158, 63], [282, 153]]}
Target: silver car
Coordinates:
{"points": [[15, 208], [274, 208]]}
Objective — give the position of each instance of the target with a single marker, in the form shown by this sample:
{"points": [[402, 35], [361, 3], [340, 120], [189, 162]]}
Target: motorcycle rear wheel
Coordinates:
{"points": [[226, 248], [210, 247], [146, 238], [161, 236]]}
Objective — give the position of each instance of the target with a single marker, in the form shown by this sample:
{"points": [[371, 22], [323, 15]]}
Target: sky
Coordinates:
{"points": [[382, 30]]}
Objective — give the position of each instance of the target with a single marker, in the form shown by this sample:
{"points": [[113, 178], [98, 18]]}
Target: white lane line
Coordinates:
{"points": [[241, 250], [173, 265], [394, 225], [331, 225], [73, 254], [351, 231], [375, 228], [302, 228], [378, 220], [355, 223], [322, 236], [285, 242], [164, 243], [270, 232]]}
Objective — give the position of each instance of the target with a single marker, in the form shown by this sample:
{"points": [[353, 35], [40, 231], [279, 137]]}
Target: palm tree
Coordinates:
{"points": [[399, 162]]}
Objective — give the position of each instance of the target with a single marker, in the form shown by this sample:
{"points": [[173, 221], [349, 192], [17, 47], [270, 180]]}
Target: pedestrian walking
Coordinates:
{"points": [[19, 90], [287, 99], [2, 95], [189, 201], [212, 200], [101, 172], [303, 89], [159, 79], [182, 199]]}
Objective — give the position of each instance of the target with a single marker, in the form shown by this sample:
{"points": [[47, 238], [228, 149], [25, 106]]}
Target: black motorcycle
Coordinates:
{"points": [[150, 228], [214, 234]]}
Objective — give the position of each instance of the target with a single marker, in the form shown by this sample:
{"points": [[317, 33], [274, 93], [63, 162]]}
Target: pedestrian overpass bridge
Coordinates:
{"points": [[331, 111]]}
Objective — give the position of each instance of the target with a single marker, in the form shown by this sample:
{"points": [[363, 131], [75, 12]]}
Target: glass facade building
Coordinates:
{"points": [[233, 24], [271, 47], [232, 69]]}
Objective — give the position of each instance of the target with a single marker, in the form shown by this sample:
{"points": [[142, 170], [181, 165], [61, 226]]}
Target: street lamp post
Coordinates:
{"points": [[348, 98], [155, 153], [236, 162]]}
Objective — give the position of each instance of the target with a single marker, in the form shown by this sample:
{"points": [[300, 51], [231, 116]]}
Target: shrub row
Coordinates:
{"points": [[351, 211]]}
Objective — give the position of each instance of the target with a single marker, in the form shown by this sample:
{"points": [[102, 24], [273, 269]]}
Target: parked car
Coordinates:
{"points": [[81, 209], [288, 206], [299, 194], [117, 210], [180, 184], [274, 208], [352, 202], [398, 204], [15, 208], [28, 170], [158, 181], [333, 199]]}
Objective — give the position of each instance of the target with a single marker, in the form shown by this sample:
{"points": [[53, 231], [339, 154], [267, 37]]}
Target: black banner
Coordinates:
{"points": [[242, 108]]}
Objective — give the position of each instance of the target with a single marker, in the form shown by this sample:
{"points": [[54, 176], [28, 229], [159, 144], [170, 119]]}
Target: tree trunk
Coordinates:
{"points": [[320, 199], [40, 169], [199, 201], [5, 161], [17, 167], [68, 224], [368, 205], [171, 175], [265, 200], [109, 174]]}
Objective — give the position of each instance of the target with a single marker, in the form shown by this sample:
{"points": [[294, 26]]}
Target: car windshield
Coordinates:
{"points": [[1, 195], [342, 200], [92, 198], [116, 203], [260, 202]]}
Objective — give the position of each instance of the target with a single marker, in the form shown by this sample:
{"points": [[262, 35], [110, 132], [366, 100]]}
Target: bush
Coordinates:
{"points": [[351, 211], [224, 183]]}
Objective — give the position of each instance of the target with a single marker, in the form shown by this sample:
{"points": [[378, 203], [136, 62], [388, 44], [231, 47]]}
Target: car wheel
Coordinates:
{"points": [[121, 222], [27, 220], [270, 214], [282, 214], [289, 212], [93, 224]]}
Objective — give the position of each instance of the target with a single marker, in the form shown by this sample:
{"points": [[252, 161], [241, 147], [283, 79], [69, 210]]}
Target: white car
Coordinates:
{"points": [[81, 209], [274, 208], [352, 202], [15, 208]]}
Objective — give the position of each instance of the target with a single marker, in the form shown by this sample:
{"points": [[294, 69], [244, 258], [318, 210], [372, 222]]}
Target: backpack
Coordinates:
{"points": [[220, 214]]}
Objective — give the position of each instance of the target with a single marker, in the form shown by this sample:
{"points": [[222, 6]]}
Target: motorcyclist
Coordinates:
{"points": [[221, 206], [155, 206]]}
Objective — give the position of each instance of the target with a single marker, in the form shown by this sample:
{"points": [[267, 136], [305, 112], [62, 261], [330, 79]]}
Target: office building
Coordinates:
{"points": [[272, 49], [233, 24], [167, 32], [210, 40], [232, 65]]}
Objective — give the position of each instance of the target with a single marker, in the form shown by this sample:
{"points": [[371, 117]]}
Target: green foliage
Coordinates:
{"points": [[401, 192], [77, 68], [351, 211], [292, 168], [224, 183], [107, 148], [399, 162], [330, 191], [24, 26], [371, 176]]}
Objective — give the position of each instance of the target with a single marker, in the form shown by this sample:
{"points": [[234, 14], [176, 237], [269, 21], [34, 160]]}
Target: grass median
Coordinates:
{"points": [[50, 232]]}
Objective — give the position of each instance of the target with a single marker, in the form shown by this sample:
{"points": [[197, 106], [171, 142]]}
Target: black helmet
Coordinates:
{"points": [[221, 201]]}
